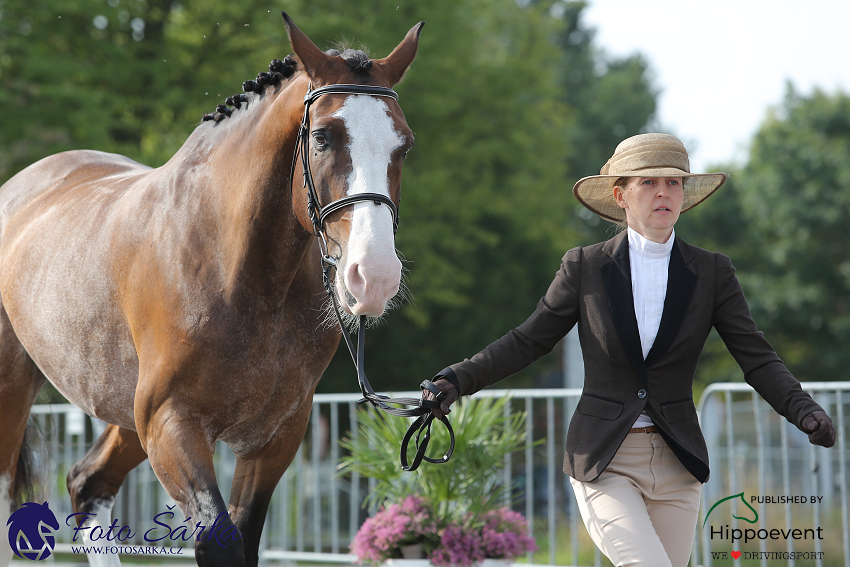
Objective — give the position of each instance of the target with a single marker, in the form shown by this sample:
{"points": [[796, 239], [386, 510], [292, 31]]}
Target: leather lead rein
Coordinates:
{"points": [[421, 409]]}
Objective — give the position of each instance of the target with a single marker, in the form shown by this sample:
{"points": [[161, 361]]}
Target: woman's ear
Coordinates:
{"points": [[619, 198]]}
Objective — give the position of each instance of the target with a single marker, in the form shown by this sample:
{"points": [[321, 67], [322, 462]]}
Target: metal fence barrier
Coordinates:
{"points": [[757, 453], [315, 512]]}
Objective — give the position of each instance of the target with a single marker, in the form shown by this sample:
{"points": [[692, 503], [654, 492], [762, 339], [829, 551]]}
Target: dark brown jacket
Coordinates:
{"points": [[593, 288]]}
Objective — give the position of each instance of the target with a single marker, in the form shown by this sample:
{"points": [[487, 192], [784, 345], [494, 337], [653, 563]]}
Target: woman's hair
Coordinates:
{"points": [[620, 226]]}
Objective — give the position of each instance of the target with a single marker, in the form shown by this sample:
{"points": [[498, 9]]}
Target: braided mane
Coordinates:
{"points": [[278, 70]]}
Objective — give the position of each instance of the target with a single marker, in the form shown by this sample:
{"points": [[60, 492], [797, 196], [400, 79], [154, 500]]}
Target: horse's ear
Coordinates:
{"points": [[311, 56], [397, 62]]}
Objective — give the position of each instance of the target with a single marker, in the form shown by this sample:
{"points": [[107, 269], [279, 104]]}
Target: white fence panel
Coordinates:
{"points": [[315, 513]]}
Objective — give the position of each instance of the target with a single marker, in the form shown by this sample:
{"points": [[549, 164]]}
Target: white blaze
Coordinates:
{"points": [[373, 270]]}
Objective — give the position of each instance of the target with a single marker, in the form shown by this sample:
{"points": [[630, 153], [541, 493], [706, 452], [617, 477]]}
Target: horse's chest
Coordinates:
{"points": [[261, 416]]}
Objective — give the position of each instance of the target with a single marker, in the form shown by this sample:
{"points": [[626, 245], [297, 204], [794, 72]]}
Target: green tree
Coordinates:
{"points": [[797, 201], [502, 134], [126, 76], [510, 103], [782, 219]]}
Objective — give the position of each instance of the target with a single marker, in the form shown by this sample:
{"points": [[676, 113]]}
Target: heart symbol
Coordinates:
{"points": [[735, 554]]}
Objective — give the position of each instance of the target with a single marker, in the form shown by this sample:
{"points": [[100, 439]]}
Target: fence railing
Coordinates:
{"points": [[315, 511], [757, 453]]}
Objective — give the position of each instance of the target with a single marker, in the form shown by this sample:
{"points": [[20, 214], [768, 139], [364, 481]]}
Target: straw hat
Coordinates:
{"points": [[644, 155]]}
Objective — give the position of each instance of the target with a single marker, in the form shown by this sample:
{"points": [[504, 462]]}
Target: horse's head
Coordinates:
{"points": [[356, 144]]}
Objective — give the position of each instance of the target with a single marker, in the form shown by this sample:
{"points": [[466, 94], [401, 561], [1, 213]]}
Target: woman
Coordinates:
{"points": [[645, 302]]}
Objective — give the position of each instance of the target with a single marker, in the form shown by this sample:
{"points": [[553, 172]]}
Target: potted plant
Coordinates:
{"points": [[455, 511]]}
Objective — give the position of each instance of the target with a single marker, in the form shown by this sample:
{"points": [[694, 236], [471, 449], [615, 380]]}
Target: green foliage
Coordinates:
{"points": [[468, 482], [783, 220], [797, 200], [510, 102], [506, 99]]}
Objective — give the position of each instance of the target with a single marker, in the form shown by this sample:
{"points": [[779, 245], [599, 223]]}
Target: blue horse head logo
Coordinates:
{"points": [[30, 533]]}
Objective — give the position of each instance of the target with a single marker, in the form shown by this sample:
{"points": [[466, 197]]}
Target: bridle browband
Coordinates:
{"points": [[318, 214]]}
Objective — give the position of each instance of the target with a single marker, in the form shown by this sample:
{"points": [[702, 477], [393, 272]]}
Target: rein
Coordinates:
{"points": [[421, 409]]}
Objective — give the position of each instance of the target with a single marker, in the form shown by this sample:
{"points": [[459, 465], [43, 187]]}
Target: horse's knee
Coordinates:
{"points": [[85, 488], [90, 487], [98, 476]]}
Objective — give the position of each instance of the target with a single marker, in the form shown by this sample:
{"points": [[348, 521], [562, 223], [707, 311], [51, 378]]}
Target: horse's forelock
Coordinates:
{"points": [[358, 59]]}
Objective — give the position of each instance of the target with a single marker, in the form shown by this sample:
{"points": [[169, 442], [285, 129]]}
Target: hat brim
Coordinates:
{"points": [[597, 191]]}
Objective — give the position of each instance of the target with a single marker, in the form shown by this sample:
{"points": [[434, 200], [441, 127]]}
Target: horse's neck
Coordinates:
{"points": [[240, 167]]}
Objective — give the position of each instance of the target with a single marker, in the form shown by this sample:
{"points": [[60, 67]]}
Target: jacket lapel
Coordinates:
{"points": [[680, 288], [617, 281]]}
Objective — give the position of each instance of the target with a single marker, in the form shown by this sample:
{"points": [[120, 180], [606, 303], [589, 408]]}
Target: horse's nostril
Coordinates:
{"points": [[350, 299], [355, 281]]}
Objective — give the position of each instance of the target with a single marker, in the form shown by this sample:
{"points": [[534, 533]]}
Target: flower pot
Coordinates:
{"points": [[426, 563], [406, 563], [413, 551]]}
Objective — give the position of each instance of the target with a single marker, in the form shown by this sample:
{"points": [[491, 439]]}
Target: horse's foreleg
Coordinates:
{"points": [[181, 455], [256, 477], [94, 481]]}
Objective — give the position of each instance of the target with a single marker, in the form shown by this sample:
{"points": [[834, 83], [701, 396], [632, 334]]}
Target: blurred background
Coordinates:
{"points": [[511, 102]]}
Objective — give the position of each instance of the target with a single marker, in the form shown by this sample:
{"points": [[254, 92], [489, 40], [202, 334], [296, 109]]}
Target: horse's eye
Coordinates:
{"points": [[320, 139]]}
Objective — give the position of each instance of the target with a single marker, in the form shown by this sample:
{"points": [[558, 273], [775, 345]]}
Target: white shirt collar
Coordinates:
{"points": [[638, 244]]}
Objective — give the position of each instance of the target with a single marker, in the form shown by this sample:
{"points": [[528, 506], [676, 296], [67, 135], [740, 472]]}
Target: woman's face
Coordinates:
{"points": [[652, 205]]}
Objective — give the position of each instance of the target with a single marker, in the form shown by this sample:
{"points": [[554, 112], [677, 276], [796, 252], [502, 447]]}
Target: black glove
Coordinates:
{"points": [[819, 428], [449, 390]]}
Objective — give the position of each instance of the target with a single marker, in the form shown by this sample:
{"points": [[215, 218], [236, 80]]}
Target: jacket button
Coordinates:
{"points": [[641, 393]]}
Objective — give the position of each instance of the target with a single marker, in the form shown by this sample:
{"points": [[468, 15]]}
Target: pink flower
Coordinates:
{"points": [[505, 534], [405, 523], [458, 547], [499, 534]]}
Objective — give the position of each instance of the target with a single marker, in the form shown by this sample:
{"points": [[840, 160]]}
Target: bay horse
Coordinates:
{"points": [[183, 304]]}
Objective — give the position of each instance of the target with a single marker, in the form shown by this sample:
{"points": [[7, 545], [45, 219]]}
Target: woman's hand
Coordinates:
{"points": [[820, 428], [451, 396]]}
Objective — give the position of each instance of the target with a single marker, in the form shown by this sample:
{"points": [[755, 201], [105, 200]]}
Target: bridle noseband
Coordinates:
{"points": [[318, 214]]}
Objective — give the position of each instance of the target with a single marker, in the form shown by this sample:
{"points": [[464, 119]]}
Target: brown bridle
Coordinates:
{"points": [[318, 214]]}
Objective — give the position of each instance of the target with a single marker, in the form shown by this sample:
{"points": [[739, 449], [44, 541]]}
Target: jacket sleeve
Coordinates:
{"points": [[555, 315], [762, 367]]}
